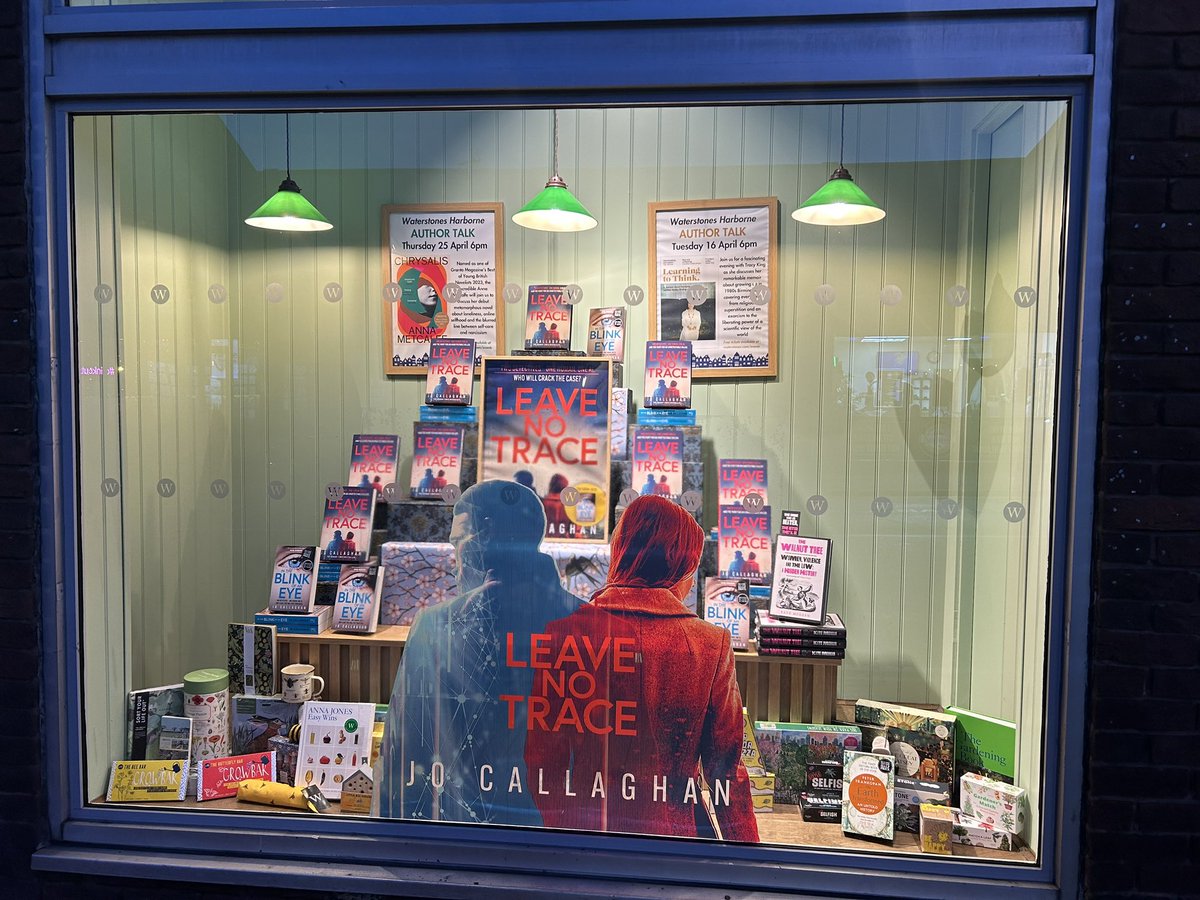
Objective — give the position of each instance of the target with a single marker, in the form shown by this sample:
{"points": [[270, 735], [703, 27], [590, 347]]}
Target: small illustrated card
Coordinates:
{"points": [[335, 740], [801, 583], [738, 478], [451, 372], [133, 780], [727, 603], [548, 318], [789, 523], [744, 544], [356, 607], [606, 332], [217, 778], [668, 375], [251, 657], [175, 737], [294, 580]]}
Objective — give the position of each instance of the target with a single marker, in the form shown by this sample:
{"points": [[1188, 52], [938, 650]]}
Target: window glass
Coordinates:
{"points": [[537, 638]]}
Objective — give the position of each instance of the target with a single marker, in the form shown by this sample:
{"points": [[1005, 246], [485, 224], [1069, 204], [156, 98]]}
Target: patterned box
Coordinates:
{"points": [[972, 832], [583, 568], [992, 803], [415, 575], [419, 521], [618, 429], [286, 754], [762, 792]]}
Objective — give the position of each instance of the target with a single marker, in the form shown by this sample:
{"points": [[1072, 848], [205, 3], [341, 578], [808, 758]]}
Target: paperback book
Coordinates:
{"points": [[144, 712], [738, 478], [606, 332], [658, 461], [451, 378], [335, 740], [548, 318], [801, 579], [437, 459], [356, 609], [727, 603], [294, 580], [868, 795], [833, 628], [373, 459], [313, 622], [463, 415], [252, 654], [984, 745], [789, 523], [801, 652], [175, 738], [744, 544], [346, 530], [668, 375]]}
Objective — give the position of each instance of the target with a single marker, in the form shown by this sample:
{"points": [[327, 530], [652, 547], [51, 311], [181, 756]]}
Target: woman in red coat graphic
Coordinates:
{"points": [[635, 705]]}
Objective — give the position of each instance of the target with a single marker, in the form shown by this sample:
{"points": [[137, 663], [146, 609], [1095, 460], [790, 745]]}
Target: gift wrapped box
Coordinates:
{"points": [[622, 402], [583, 568], [419, 521], [286, 753], [415, 575]]}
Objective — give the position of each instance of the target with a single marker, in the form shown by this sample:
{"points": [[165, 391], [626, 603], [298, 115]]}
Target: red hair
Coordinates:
{"points": [[656, 544]]}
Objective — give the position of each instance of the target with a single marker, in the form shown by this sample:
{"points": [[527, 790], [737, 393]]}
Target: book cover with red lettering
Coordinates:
{"points": [[606, 333], [744, 548], [217, 778], [668, 375], [548, 318], [346, 529], [437, 459], [451, 378], [738, 478], [373, 459], [356, 603], [546, 426], [658, 461], [294, 580]]}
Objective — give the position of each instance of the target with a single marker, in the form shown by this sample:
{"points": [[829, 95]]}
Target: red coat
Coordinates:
{"points": [[679, 709]]}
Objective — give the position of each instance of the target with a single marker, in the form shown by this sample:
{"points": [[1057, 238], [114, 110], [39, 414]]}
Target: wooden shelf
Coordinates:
{"points": [[385, 636]]}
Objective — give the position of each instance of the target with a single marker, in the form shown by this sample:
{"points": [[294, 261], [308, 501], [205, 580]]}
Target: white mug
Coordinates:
{"points": [[298, 681]]}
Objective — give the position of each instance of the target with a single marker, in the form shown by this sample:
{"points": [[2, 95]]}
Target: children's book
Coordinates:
{"points": [[451, 378], [251, 658], [335, 740], [727, 603], [606, 332], [668, 375], [437, 459], [346, 530], [658, 461], [356, 609], [738, 478], [548, 318], [984, 745], [144, 712], [744, 544], [293, 580], [373, 459]]}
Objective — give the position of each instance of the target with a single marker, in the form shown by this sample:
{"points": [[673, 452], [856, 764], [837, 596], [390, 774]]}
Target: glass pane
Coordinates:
{"points": [[542, 660]]}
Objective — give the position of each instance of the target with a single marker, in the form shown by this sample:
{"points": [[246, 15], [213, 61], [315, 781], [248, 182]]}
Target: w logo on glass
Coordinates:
{"points": [[391, 292], [881, 506], [1014, 512], [166, 488], [334, 491], [947, 508], [1025, 297], [634, 295], [160, 294], [333, 292], [391, 493], [110, 487], [510, 494], [570, 496], [219, 488], [752, 502], [276, 490], [691, 501], [573, 293], [958, 295], [817, 505], [512, 293], [627, 496]]}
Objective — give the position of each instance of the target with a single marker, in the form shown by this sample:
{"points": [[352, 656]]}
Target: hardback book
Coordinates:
{"points": [[346, 530], [313, 622], [451, 378], [728, 605], [800, 586], [139, 780], [437, 459], [255, 720], [984, 745], [252, 656], [801, 652], [217, 778], [294, 580], [463, 415], [668, 375], [356, 609], [548, 318], [910, 794], [832, 628], [606, 332], [921, 740], [373, 459], [672, 418], [738, 478], [144, 712], [335, 740], [658, 461], [788, 748], [744, 544], [817, 643], [869, 795]]}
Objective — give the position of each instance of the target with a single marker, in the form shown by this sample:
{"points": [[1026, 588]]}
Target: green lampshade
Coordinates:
{"points": [[554, 209], [288, 210], [839, 202]]}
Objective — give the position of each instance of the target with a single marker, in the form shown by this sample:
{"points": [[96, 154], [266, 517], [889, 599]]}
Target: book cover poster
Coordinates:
{"points": [[451, 378], [801, 579], [744, 544], [729, 607], [293, 580], [437, 459], [548, 318], [373, 459], [217, 778], [546, 426], [668, 375], [606, 333], [335, 740], [658, 461], [737, 478], [356, 604], [346, 528]]}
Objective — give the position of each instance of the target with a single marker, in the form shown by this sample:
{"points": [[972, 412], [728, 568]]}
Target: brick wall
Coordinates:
{"points": [[1142, 806]]}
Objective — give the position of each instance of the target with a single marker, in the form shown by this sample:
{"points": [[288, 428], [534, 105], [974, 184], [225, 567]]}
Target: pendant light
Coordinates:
{"points": [[288, 209], [555, 208], [839, 201]]}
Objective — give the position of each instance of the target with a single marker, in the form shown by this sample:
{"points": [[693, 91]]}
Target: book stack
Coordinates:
{"points": [[779, 638], [460, 415], [666, 417]]}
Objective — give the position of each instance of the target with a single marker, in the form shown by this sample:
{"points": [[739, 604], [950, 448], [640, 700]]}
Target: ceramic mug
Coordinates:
{"points": [[298, 684]]}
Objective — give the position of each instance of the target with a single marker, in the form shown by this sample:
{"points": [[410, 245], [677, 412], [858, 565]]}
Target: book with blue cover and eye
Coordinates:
{"points": [[658, 461], [346, 528], [373, 459], [738, 478], [451, 378], [437, 459], [668, 375], [727, 603], [606, 332], [744, 544], [293, 580], [548, 318], [356, 607]]}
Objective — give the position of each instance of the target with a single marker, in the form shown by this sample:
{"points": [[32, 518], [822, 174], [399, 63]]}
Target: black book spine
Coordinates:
{"points": [[799, 631], [821, 644], [808, 652], [141, 719]]}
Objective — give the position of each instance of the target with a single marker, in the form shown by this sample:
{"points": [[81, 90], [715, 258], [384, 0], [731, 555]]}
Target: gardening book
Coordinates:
{"points": [[744, 544], [658, 461], [437, 459], [606, 332], [984, 745], [346, 529], [451, 376], [668, 375], [548, 318], [294, 580], [373, 459], [737, 478], [144, 712]]}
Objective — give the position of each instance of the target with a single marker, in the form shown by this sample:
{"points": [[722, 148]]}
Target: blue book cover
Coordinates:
{"points": [[451, 378], [668, 375], [744, 549]]}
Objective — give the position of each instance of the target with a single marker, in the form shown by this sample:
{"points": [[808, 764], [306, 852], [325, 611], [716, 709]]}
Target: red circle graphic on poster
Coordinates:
{"points": [[422, 311]]}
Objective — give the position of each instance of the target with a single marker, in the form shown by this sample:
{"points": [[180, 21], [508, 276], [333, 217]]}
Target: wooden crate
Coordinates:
{"points": [[356, 667], [788, 688]]}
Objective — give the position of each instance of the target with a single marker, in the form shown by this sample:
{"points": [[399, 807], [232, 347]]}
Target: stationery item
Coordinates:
{"points": [[335, 740], [206, 703], [133, 780], [251, 656], [175, 738], [935, 824], [356, 609], [144, 711], [313, 622], [301, 683], [415, 575], [373, 459], [451, 378], [868, 787], [217, 778], [293, 580]]}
